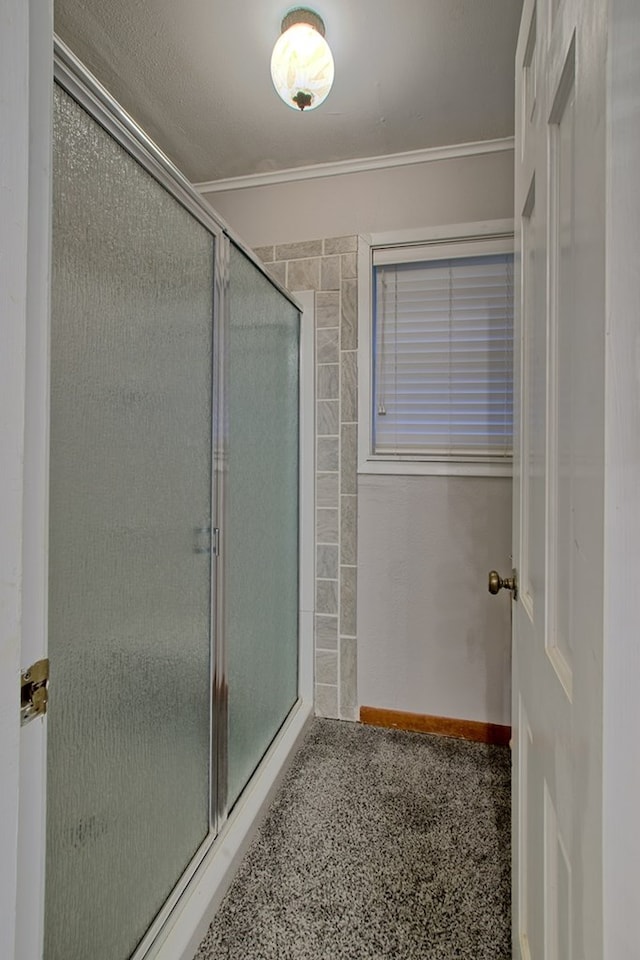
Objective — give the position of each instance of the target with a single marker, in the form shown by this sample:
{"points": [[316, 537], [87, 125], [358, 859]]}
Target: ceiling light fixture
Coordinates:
{"points": [[301, 63]]}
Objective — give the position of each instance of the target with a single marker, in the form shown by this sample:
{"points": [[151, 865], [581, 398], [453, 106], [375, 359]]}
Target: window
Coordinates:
{"points": [[441, 356]]}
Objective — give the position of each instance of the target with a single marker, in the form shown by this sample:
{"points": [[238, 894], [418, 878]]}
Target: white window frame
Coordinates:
{"points": [[451, 236]]}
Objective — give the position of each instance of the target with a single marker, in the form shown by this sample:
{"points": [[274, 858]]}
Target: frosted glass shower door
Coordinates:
{"points": [[129, 724], [260, 537]]}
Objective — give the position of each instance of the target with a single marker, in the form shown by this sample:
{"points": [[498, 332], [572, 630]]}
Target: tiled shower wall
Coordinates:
{"points": [[330, 268]]}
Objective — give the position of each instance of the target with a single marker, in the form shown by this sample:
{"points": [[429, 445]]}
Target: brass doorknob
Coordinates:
{"points": [[496, 583]]}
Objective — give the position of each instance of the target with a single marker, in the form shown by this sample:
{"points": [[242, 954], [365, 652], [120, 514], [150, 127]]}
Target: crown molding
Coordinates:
{"points": [[319, 171]]}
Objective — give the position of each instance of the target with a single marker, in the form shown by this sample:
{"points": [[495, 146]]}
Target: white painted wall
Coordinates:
{"points": [[431, 637], [425, 194]]}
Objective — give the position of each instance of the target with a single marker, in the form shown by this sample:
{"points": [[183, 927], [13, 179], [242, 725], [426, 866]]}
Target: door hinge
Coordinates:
{"points": [[34, 691]]}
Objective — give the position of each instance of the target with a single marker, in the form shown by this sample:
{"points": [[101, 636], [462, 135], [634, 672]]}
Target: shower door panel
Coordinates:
{"points": [[129, 727], [260, 536]]}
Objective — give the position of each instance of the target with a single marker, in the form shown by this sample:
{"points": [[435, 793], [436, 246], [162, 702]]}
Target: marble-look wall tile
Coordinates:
{"points": [[327, 666], [328, 381], [348, 601], [327, 596], [327, 489], [328, 454], [278, 271], [266, 254], [326, 700], [326, 631], [348, 458], [327, 345], [296, 251], [330, 273], [341, 245], [303, 274], [330, 268], [328, 418], [349, 386], [349, 320], [348, 679], [349, 265], [327, 564], [328, 309], [326, 525], [348, 530]]}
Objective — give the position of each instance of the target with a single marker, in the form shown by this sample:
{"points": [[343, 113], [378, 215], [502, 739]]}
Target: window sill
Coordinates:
{"points": [[429, 468]]}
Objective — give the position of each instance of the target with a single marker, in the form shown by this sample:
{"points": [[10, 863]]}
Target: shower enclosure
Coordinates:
{"points": [[173, 553]]}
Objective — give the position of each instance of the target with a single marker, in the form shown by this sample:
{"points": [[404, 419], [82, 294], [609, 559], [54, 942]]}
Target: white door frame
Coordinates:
{"points": [[26, 77]]}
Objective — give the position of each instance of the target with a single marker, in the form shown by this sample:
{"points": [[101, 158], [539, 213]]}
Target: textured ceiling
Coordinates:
{"points": [[195, 75]]}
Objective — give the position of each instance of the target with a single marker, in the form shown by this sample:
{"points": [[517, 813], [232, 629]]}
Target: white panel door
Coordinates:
{"points": [[558, 480]]}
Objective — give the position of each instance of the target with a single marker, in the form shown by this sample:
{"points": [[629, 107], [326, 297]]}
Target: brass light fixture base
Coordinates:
{"points": [[303, 15]]}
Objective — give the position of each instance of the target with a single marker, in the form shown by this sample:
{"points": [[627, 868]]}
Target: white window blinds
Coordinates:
{"points": [[443, 370]]}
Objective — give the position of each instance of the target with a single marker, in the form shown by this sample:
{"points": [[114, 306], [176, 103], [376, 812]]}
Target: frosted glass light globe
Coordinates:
{"points": [[302, 67]]}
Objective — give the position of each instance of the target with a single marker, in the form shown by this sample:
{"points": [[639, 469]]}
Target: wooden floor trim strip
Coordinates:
{"points": [[442, 726]]}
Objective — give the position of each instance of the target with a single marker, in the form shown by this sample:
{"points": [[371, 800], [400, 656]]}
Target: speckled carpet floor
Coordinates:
{"points": [[380, 844]]}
